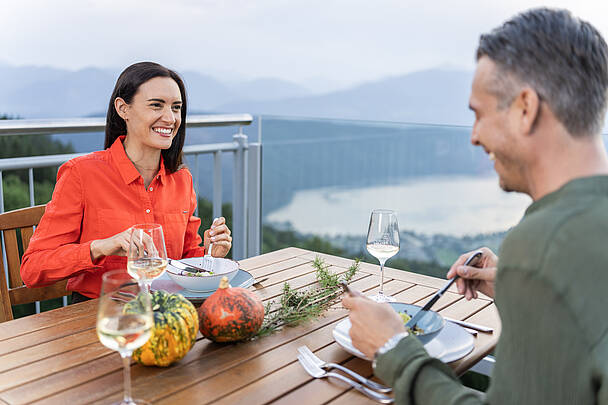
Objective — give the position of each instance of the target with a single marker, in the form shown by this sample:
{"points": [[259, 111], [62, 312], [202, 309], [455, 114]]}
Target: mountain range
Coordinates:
{"points": [[430, 96]]}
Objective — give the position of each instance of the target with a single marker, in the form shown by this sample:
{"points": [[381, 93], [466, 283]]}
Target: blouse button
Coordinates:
{"points": [[148, 211], [150, 189]]}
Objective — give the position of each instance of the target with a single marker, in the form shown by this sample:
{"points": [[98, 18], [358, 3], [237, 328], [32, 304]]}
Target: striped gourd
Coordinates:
{"points": [[174, 331]]}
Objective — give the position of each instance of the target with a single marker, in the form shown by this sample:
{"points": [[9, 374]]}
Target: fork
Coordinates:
{"points": [[208, 259], [318, 372], [308, 354]]}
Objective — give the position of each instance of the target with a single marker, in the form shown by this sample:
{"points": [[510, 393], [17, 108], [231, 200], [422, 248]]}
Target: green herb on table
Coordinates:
{"points": [[297, 306]]}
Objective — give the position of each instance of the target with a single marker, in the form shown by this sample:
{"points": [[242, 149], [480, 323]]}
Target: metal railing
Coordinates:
{"points": [[246, 174]]}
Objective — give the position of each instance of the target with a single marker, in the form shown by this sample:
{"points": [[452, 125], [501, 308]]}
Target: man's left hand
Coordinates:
{"points": [[372, 323]]}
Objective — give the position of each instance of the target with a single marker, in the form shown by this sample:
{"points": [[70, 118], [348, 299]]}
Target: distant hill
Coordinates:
{"points": [[430, 96], [268, 89], [39, 92], [43, 92], [434, 96]]}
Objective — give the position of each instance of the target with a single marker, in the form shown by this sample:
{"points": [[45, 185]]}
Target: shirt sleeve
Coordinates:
{"points": [[417, 378], [55, 251], [192, 240]]}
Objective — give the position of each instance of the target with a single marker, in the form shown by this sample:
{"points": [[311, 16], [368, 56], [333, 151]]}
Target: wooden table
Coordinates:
{"points": [[55, 357]]}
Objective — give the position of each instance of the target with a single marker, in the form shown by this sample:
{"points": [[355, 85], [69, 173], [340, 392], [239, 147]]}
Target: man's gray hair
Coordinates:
{"points": [[564, 59]]}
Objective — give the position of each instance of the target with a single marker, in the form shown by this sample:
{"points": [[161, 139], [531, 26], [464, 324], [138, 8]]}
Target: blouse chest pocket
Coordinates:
{"points": [[174, 229], [113, 221]]}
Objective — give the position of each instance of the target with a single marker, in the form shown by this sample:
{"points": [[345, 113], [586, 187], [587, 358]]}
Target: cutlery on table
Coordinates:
{"points": [[308, 354], [258, 283], [187, 267], [471, 261], [470, 325], [317, 372]]}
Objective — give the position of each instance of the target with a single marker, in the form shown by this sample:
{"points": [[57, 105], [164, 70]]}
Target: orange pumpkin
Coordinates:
{"points": [[230, 314]]}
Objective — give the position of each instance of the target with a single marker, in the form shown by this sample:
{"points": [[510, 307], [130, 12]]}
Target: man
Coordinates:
{"points": [[539, 95]]}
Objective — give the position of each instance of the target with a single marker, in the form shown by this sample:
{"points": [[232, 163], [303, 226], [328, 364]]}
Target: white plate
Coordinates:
{"points": [[451, 344]]}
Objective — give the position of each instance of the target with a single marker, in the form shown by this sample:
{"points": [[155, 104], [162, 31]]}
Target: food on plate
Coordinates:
{"points": [[197, 274], [405, 317], [231, 314]]}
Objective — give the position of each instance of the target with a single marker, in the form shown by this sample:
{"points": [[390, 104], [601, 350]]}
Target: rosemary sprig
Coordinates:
{"points": [[297, 306]]}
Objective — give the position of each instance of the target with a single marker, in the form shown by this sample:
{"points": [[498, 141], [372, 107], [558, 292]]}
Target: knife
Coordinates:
{"points": [[187, 267], [471, 261]]}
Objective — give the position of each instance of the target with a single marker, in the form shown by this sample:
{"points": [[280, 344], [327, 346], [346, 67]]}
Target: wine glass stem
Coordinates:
{"points": [[126, 362], [382, 277]]}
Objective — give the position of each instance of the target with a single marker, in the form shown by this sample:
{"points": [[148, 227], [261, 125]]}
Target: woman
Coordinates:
{"points": [[138, 178]]}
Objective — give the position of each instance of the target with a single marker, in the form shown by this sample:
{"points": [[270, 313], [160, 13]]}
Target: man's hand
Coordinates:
{"points": [[219, 235], [372, 323], [474, 279]]}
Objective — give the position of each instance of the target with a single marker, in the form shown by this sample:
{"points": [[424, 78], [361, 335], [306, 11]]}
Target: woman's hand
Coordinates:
{"points": [[219, 235], [473, 279], [117, 245]]}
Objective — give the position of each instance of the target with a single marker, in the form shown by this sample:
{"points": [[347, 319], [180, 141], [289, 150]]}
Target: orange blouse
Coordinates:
{"points": [[98, 196]]}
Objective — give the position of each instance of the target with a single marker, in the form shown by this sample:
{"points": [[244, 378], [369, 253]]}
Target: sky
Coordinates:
{"points": [[322, 44]]}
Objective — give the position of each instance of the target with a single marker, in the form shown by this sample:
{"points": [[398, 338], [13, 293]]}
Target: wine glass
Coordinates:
{"points": [[124, 321], [383, 243], [147, 255]]}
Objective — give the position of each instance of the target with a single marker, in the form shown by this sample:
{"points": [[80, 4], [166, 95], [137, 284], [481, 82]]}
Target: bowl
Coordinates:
{"points": [[431, 323], [221, 268]]}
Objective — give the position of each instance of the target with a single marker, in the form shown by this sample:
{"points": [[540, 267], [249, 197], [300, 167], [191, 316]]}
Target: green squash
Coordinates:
{"points": [[174, 331]]}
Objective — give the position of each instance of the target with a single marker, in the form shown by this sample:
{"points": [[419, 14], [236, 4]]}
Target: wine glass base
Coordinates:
{"points": [[381, 297], [134, 401]]}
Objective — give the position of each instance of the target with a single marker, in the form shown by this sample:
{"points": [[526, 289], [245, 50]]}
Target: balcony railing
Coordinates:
{"points": [[246, 173]]}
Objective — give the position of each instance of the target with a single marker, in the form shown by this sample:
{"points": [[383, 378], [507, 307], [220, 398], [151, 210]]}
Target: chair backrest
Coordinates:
{"points": [[22, 221]]}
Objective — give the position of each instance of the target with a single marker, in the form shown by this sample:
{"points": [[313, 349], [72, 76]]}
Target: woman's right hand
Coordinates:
{"points": [[116, 245], [472, 279]]}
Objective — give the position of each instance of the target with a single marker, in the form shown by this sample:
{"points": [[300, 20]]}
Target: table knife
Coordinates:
{"points": [[471, 261]]}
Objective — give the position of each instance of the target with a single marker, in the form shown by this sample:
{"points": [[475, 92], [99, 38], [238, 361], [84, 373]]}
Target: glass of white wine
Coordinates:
{"points": [[147, 255], [124, 321], [383, 243]]}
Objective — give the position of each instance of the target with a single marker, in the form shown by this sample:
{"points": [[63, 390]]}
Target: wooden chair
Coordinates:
{"points": [[16, 293]]}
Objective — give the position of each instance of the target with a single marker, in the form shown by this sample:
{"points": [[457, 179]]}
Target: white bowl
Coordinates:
{"points": [[221, 268]]}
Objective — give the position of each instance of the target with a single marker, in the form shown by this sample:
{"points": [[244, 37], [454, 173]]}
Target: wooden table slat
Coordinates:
{"points": [[261, 272], [270, 258], [49, 334], [46, 319]]}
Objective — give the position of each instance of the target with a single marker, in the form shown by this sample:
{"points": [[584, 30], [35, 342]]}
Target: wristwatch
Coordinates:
{"points": [[390, 344]]}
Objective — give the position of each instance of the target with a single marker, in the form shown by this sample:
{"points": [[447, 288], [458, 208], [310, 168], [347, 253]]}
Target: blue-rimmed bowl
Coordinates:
{"points": [[431, 323]]}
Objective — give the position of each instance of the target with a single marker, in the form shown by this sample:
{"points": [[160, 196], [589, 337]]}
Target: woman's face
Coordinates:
{"points": [[154, 115]]}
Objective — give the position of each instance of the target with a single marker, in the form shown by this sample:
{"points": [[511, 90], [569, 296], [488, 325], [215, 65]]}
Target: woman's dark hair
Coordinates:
{"points": [[126, 86]]}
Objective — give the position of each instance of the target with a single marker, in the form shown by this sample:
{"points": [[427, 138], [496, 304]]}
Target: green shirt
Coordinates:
{"points": [[552, 296]]}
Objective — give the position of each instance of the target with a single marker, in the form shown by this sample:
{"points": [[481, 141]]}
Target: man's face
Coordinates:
{"points": [[494, 128]]}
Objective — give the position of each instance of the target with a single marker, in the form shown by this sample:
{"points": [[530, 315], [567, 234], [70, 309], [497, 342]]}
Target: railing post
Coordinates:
{"points": [[239, 191], [31, 184], [217, 184], [254, 200], [196, 183], [1, 194]]}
